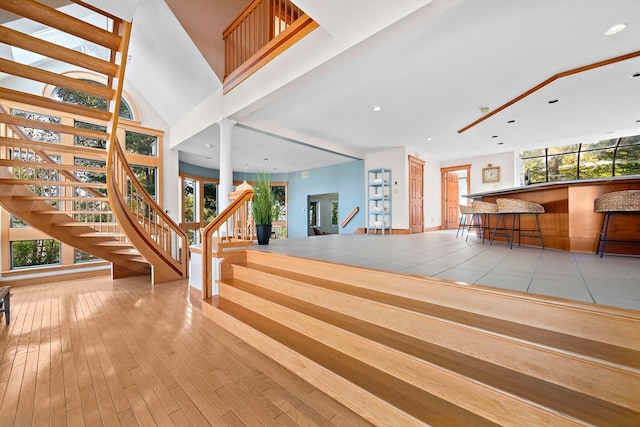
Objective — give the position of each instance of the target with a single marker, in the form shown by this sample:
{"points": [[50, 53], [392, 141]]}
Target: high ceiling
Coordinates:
{"points": [[432, 72], [431, 67]]}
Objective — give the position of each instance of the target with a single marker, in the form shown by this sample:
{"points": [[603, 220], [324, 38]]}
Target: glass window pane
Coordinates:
{"points": [[17, 223], [596, 163], [139, 143], [563, 167], [147, 177], [28, 253], [532, 153], [79, 98], [536, 168], [85, 141], [188, 210], [210, 197], [563, 149], [279, 195], [629, 140], [38, 134], [606, 143], [628, 160], [334, 212], [82, 256]]}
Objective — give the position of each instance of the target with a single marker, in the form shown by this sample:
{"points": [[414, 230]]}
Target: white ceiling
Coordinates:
{"points": [[430, 72]]}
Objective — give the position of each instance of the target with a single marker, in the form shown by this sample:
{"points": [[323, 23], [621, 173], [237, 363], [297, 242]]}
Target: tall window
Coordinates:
{"points": [[602, 159], [22, 245]]}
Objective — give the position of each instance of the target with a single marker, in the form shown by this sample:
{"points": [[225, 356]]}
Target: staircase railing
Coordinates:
{"points": [[151, 231], [234, 227], [158, 238], [263, 30]]}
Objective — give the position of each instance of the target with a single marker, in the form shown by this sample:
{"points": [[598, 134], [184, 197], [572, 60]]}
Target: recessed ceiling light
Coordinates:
{"points": [[553, 101], [208, 145], [377, 108], [615, 29], [429, 139]]}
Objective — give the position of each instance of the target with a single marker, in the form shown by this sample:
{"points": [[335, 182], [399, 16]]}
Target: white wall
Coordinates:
{"points": [[509, 176]]}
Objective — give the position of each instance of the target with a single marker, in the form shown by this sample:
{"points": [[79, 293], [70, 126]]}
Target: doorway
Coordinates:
{"points": [[323, 214], [455, 184]]}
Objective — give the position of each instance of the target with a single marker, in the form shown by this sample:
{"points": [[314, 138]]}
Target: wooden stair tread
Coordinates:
{"points": [[615, 354], [412, 400], [541, 392]]}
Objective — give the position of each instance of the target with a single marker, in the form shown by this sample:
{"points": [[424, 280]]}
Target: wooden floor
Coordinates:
{"points": [[102, 352]]}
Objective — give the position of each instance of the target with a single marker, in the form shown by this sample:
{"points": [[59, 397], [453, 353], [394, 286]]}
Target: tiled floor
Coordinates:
{"points": [[612, 280]]}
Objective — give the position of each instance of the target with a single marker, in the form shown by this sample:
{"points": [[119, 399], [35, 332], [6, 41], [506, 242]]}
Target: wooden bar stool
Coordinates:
{"points": [[465, 212], [517, 208], [480, 218], [626, 201]]}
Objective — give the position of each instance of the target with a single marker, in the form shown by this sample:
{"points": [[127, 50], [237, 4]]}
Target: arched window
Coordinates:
{"points": [[79, 98]]}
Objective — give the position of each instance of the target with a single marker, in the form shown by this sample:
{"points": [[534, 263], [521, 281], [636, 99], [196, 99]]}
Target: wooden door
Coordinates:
{"points": [[416, 195], [452, 200]]}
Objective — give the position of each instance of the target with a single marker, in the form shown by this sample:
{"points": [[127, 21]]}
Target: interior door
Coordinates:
{"points": [[452, 200], [416, 195]]}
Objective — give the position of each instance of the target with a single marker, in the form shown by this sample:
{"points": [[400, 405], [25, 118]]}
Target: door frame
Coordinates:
{"points": [[421, 163], [443, 190]]}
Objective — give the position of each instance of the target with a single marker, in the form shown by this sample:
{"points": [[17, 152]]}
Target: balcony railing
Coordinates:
{"points": [[263, 30]]}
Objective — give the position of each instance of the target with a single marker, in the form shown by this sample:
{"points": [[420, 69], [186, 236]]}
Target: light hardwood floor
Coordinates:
{"points": [[101, 352]]}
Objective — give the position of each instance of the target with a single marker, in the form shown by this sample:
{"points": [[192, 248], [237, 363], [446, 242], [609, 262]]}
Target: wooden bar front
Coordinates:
{"points": [[569, 222]]}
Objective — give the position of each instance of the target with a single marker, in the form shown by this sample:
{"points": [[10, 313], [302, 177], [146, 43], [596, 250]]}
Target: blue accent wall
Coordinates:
{"points": [[346, 179]]}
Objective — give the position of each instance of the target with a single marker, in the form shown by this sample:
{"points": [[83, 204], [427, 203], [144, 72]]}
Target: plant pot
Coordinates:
{"points": [[263, 232]]}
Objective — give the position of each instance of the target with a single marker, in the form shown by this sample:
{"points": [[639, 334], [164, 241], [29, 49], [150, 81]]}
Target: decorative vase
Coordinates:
{"points": [[263, 232]]}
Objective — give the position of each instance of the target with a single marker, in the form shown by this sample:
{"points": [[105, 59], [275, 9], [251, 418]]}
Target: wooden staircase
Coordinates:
{"points": [[113, 218], [405, 350]]}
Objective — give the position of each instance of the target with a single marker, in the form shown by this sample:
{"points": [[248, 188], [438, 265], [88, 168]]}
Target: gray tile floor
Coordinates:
{"points": [[612, 280]]}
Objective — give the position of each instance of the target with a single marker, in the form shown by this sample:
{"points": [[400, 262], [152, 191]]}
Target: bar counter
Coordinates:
{"points": [[569, 222]]}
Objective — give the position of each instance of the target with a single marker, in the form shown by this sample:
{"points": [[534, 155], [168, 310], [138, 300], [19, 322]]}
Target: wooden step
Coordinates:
{"points": [[508, 372], [614, 326], [350, 381], [45, 48], [494, 393], [52, 104], [50, 17]]}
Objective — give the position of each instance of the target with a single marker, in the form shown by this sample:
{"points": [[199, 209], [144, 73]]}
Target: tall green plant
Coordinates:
{"points": [[263, 200]]}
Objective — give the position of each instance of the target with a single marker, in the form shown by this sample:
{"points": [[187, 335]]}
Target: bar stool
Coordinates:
{"points": [[626, 201], [517, 208], [465, 211], [480, 218]]}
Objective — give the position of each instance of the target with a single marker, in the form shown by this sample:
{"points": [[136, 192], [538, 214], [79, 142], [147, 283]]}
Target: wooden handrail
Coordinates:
{"points": [[349, 217], [239, 232]]}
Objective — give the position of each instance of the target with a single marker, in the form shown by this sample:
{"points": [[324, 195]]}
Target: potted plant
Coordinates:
{"points": [[262, 207]]}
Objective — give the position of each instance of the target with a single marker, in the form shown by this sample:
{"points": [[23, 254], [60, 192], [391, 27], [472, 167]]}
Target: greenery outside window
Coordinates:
{"points": [[38, 134], [334, 213], [139, 143], [602, 159], [30, 253]]}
